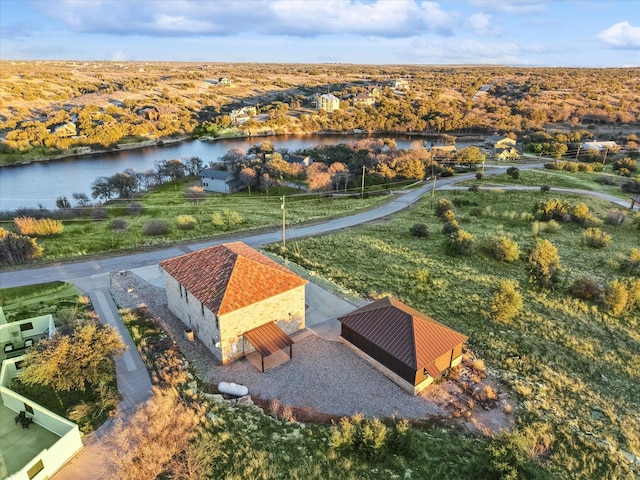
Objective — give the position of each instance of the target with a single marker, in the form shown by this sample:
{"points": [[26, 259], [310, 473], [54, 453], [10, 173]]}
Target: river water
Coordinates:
{"points": [[41, 183]]}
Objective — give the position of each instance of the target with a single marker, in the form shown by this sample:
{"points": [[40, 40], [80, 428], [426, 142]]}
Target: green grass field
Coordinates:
{"points": [[574, 367]]}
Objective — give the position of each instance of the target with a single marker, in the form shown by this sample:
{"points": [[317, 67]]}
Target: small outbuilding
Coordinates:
{"points": [[236, 300], [406, 345]]}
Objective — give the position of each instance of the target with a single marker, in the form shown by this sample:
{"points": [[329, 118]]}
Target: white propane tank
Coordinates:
{"points": [[233, 389]]}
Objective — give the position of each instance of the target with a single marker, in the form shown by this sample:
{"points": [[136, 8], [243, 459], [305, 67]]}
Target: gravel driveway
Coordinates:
{"points": [[322, 374]]}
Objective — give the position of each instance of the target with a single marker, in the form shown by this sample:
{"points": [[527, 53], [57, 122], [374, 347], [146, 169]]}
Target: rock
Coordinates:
{"points": [[246, 400]]}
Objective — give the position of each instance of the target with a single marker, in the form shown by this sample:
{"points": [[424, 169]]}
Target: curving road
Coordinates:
{"points": [[83, 273]]}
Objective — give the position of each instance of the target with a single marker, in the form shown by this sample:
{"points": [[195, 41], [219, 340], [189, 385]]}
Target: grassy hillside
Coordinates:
{"points": [[573, 364]]}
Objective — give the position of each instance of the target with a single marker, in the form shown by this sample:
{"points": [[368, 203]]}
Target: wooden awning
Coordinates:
{"points": [[268, 339]]}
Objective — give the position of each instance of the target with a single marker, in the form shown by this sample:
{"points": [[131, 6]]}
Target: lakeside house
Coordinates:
{"points": [[236, 300], [327, 102], [219, 181], [502, 147], [409, 347]]}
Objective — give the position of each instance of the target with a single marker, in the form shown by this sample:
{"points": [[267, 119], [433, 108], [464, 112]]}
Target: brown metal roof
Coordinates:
{"points": [[407, 334], [268, 339], [230, 276]]}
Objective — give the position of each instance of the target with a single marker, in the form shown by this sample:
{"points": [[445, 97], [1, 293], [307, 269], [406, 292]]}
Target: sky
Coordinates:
{"points": [[563, 33]]}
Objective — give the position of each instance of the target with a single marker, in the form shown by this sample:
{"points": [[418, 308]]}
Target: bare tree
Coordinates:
{"points": [[248, 177]]}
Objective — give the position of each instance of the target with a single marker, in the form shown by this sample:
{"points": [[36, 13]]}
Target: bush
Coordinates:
{"points": [[545, 188], [607, 180], [544, 263], [155, 228], [479, 176], [118, 225], [474, 188], [43, 227], [626, 163], [632, 186], [583, 215], [419, 230], [596, 238], [186, 222], [616, 216], [16, 248], [513, 172], [616, 297], [227, 219], [503, 248], [506, 302], [461, 242], [586, 288], [443, 205], [99, 214], [450, 227], [632, 262], [134, 208], [553, 209]]}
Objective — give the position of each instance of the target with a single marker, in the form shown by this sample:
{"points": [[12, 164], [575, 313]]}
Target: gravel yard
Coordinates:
{"points": [[323, 375]]}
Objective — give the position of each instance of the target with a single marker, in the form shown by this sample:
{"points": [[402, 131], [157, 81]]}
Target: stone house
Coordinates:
{"points": [[235, 300]]}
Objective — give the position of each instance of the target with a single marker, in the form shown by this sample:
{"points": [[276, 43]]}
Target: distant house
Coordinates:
{"points": [[327, 102], [364, 99], [443, 153], [406, 345], [600, 146], [483, 90], [305, 160], [64, 130], [243, 115], [224, 81], [400, 84], [220, 181], [236, 300], [149, 113], [502, 147]]}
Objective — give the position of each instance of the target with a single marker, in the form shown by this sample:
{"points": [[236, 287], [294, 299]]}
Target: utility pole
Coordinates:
{"points": [[362, 187], [284, 241], [606, 150], [433, 187], [578, 152]]}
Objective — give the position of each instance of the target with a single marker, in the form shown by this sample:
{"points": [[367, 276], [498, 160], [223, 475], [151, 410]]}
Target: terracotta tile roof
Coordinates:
{"points": [[268, 339], [230, 276], [407, 334]]}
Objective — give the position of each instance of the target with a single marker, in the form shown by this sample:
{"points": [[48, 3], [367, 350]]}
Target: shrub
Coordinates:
{"points": [[553, 209], [461, 242], [226, 219], [155, 228], [186, 222], [513, 172], [632, 186], [448, 216], [479, 176], [134, 208], [596, 238], [545, 188], [450, 227], [586, 288], [544, 263], [419, 230], [503, 248], [16, 248], [474, 188], [626, 163], [632, 262], [583, 215], [443, 205], [42, 227], [118, 225], [616, 297], [99, 214], [607, 180], [616, 216], [506, 302]]}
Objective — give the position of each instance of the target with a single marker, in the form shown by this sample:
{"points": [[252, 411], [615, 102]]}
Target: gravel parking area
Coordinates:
{"points": [[323, 375]]}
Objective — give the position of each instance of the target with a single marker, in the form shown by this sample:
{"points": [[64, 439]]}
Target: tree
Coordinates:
{"points": [[248, 177], [318, 177], [62, 203], [173, 169], [82, 199], [234, 159], [123, 184], [193, 166], [506, 302], [102, 188], [544, 263], [471, 156], [73, 362]]}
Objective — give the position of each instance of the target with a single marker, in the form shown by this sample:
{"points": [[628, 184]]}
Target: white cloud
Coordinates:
{"points": [[481, 24], [522, 7], [302, 18], [621, 35]]}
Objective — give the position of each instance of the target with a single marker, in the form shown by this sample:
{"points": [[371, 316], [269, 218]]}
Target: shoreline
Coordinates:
{"points": [[84, 150]]}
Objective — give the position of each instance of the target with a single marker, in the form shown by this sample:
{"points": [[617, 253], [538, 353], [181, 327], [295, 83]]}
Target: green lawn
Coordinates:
{"points": [[84, 236], [574, 366]]}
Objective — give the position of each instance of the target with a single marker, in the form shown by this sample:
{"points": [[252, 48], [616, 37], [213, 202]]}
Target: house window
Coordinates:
{"points": [[26, 326], [180, 287], [28, 408], [202, 308], [186, 296]]}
